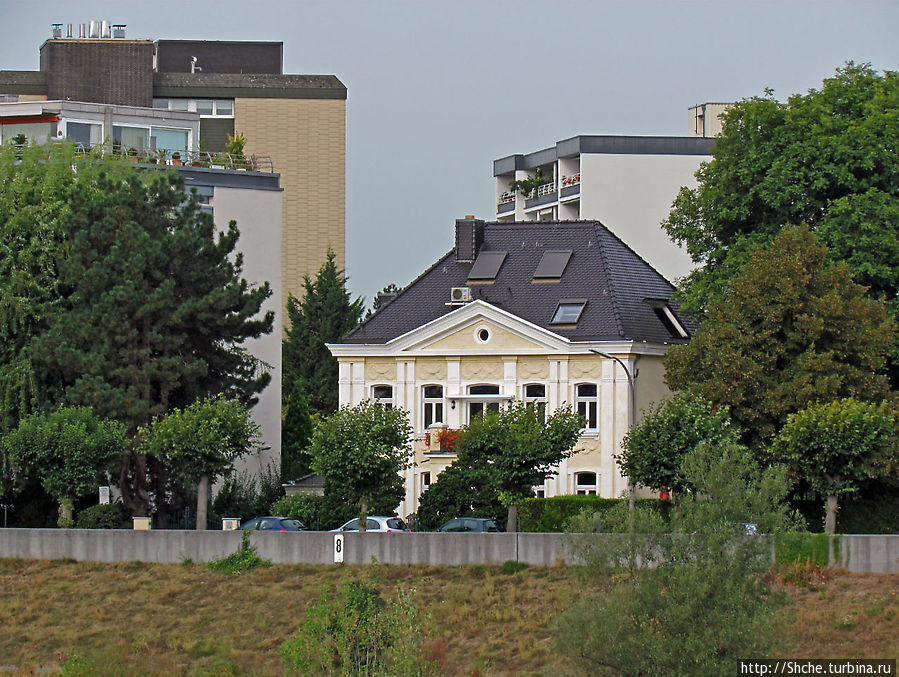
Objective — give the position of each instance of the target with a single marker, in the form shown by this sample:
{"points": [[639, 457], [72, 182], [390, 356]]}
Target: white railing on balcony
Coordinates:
{"points": [[573, 180], [545, 189], [507, 197], [202, 158]]}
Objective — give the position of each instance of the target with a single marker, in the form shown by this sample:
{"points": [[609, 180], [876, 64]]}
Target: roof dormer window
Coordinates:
{"points": [[569, 311], [668, 318]]}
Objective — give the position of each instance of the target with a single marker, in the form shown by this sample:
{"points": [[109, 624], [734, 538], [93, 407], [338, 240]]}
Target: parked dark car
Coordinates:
{"points": [[273, 524], [469, 525]]}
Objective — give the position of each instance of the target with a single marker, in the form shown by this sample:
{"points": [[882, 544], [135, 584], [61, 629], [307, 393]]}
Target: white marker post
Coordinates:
{"points": [[338, 548]]}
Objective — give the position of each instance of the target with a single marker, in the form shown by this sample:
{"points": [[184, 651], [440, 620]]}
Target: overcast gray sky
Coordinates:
{"points": [[438, 90]]}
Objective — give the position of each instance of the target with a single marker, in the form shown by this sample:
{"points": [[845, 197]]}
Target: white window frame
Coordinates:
{"points": [[585, 489], [484, 399], [432, 404], [589, 402], [383, 401]]}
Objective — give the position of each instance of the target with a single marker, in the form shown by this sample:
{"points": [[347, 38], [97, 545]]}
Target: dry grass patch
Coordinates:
{"points": [[160, 619]]}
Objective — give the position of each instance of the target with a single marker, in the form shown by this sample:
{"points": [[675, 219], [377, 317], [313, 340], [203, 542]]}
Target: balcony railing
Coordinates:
{"points": [[545, 189], [201, 158], [507, 197], [573, 180]]}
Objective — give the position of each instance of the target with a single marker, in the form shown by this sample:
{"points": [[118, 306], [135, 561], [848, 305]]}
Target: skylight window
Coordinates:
{"points": [[552, 265], [486, 266], [569, 311]]}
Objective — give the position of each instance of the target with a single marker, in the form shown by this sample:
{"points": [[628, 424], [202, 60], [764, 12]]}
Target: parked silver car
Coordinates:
{"points": [[376, 524]]}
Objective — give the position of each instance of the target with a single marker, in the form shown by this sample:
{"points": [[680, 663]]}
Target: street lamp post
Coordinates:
{"points": [[632, 411]]}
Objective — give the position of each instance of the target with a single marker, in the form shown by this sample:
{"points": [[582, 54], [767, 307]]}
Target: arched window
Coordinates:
{"points": [[535, 393], [383, 395], [432, 399], [586, 403], [478, 407]]}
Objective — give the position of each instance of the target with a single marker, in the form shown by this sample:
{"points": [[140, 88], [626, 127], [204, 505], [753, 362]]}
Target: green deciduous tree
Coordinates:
{"points": [[324, 314], [69, 449], [501, 456], [792, 330], [201, 442], [296, 432], [360, 451], [693, 600], [151, 309], [653, 451], [836, 446], [826, 158]]}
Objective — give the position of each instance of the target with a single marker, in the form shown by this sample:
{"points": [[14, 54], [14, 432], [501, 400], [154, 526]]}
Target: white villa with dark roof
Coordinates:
{"points": [[548, 312]]}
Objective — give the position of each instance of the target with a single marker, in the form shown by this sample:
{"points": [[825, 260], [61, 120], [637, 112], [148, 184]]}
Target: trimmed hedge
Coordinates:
{"points": [[552, 515], [871, 515], [103, 516]]}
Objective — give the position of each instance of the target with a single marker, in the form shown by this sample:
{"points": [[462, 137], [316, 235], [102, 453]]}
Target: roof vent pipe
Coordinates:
{"points": [[104, 29], [82, 31], [94, 29], [69, 31]]}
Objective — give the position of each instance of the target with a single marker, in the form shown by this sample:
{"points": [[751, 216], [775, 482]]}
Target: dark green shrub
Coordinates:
{"points": [[244, 559], [103, 516], [875, 511], [552, 515], [353, 631], [246, 497]]}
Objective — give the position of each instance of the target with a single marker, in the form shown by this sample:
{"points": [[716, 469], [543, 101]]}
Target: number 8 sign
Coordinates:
{"points": [[338, 548]]}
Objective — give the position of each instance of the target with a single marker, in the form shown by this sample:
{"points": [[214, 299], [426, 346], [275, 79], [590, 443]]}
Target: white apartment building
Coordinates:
{"points": [[626, 182]]}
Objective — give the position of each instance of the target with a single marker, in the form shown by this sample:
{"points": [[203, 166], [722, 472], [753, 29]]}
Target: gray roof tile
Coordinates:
{"points": [[602, 269]]}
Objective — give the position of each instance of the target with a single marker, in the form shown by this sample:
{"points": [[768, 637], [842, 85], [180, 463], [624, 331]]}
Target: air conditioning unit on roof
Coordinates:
{"points": [[460, 294]]}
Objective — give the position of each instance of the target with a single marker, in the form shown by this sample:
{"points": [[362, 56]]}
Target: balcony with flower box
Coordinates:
{"points": [[544, 194], [570, 186], [506, 202]]}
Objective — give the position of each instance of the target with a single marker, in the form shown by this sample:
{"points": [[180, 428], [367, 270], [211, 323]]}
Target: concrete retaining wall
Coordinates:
{"points": [[859, 553]]}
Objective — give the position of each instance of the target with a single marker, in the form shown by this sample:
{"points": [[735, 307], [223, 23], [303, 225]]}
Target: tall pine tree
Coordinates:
{"points": [[323, 315], [296, 431], [151, 310]]}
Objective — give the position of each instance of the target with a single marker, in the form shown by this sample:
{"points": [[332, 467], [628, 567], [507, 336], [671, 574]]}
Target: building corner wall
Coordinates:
{"points": [[306, 139]]}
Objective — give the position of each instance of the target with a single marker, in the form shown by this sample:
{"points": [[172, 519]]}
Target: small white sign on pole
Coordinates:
{"points": [[104, 495], [338, 548]]}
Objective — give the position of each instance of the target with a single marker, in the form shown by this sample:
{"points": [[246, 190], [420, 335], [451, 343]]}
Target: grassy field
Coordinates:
{"points": [[152, 619]]}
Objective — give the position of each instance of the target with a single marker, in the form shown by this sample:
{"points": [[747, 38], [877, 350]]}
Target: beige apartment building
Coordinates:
{"points": [[555, 313]]}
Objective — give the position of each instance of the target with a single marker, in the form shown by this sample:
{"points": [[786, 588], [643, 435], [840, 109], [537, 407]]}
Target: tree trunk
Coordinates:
{"points": [[830, 527], [65, 514], [133, 484], [363, 513], [830, 519], [159, 490], [512, 519], [202, 495]]}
